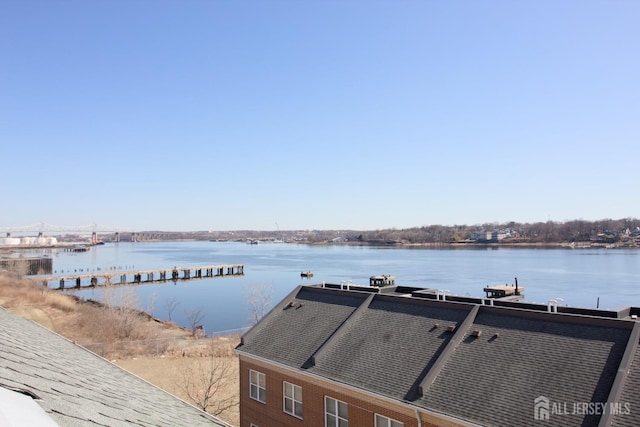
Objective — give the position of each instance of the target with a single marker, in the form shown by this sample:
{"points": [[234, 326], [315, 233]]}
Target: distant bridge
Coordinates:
{"points": [[42, 227]]}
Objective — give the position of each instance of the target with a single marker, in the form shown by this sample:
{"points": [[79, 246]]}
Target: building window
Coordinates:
{"points": [[382, 421], [336, 413], [293, 399], [257, 386]]}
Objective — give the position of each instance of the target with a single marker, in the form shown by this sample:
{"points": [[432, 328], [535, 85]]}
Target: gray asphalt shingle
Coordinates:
{"points": [[501, 375], [391, 345], [629, 407], [78, 388], [291, 334]]}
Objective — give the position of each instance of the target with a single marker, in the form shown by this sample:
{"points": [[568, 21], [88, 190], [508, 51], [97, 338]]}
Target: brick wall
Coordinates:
{"points": [[362, 406]]}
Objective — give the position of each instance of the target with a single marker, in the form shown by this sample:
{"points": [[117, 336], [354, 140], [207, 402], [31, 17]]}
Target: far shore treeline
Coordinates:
{"points": [[607, 232]]}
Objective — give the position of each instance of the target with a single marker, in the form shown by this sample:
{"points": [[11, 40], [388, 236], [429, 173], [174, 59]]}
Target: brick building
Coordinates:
{"points": [[398, 356]]}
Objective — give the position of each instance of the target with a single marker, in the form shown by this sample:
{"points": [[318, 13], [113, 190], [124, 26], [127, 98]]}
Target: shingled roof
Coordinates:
{"points": [[629, 415], [517, 357], [78, 388], [481, 364], [305, 320], [376, 350]]}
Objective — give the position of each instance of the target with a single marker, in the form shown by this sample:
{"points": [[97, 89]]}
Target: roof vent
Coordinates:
{"points": [[451, 328], [634, 316], [476, 333], [496, 335], [552, 306], [435, 326]]}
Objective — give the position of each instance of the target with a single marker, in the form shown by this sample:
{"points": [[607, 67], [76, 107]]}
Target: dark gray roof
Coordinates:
{"points": [[299, 325], [78, 388], [628, 407], [487, 369], [495, 379], [390, 346]]}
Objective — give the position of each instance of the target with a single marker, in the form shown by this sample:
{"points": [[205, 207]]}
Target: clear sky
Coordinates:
{"points": [[222, 115]]}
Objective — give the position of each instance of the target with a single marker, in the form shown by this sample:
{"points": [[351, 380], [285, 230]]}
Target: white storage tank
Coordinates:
{"points": [[28, 241], [51, 241], [9, 241]]}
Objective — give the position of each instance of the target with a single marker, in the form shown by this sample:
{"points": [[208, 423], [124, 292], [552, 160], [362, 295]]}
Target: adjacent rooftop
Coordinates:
{"points": [[74, 387], [480, 360]]}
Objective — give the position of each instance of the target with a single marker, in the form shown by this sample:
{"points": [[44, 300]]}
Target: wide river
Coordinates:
{"points": [[581, 277]]}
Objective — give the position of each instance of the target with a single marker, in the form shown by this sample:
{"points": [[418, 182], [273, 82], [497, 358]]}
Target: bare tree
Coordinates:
{"points": [[258, 301], [172, 303], [194, 317], [207, 381], [151, 304], [121, 319]]}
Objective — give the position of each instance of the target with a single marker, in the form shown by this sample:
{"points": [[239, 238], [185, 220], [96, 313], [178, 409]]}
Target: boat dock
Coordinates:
{"points": [[505, 292], [141, 277]]}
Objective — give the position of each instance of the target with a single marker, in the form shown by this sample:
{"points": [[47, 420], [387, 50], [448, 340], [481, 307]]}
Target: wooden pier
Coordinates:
{"points": [[141, 277]]}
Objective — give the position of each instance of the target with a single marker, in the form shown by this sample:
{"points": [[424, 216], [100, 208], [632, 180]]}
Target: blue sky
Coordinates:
{"points": [[222, 115]]}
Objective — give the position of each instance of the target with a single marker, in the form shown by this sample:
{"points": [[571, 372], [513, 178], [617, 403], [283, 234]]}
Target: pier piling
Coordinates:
{"points": [[130, 278]]}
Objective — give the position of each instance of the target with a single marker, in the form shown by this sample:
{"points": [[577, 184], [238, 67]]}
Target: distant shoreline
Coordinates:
{"points": [[392, 244], [475, 245]]}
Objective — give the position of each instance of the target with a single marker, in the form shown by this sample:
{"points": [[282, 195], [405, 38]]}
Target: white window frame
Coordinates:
{"points": [[256, 387], [382, 421], [289, 395], [335, 404]]}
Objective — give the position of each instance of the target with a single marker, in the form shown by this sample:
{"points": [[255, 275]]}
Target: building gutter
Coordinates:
{"points": [[418, 418]]}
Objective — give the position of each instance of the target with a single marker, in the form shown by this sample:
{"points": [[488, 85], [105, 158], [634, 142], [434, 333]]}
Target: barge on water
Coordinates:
{"points": [[383, 280], [508, 292]]}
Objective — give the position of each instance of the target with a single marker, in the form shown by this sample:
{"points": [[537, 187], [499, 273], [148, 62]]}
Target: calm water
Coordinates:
{"points": [[580, 277]]}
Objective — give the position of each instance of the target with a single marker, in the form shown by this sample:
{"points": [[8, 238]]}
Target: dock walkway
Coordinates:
{"points": [[141, 277]]}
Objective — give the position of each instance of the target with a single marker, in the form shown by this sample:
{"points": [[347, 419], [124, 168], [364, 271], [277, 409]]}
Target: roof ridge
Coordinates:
{"points": [[459, 334], [621, 375], [334, 336]]}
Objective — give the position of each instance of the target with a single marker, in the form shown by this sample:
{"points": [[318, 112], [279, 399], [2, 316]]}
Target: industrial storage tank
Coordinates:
{"points": [[51, 241], [9, 241], [28, 241]]}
